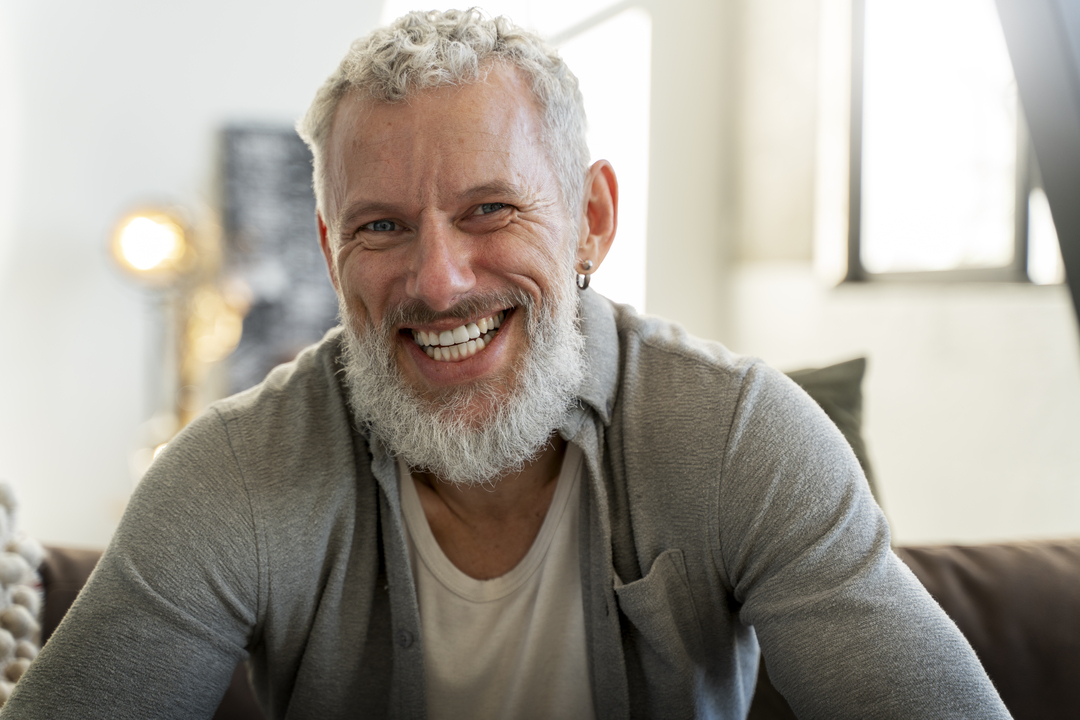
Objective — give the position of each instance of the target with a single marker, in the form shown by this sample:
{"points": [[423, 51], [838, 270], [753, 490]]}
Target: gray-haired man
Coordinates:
{"points": [[492, 493]]}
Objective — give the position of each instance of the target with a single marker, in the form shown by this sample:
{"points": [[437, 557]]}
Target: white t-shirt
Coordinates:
{"points": [[512, 646]]}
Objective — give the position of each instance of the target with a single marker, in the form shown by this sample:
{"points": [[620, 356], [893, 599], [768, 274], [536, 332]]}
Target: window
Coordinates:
{"points": [[942, 182]]}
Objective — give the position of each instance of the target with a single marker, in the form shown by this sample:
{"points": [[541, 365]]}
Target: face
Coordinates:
{"points": [[453, 259], [440, 212]]}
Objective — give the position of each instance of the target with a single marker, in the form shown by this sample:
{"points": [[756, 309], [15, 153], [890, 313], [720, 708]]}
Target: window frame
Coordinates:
{"points": [[1025, 181]]}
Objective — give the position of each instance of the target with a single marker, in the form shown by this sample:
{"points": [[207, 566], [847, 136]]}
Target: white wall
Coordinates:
{"points": [[108, 104], [692, 207]]}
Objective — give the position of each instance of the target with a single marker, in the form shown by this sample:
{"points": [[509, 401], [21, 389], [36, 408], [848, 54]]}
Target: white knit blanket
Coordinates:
{"points": [[20, 595]]}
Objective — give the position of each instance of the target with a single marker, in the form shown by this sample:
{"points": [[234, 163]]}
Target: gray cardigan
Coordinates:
{"points": [[722, 509]]}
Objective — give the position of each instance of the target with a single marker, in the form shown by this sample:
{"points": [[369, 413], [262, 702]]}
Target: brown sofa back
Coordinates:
{"points": [[1018, 604]]}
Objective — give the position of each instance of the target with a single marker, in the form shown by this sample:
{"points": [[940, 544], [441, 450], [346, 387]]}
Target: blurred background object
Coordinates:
{"points": [[1044, 44], [198, 310], [272, 248]]}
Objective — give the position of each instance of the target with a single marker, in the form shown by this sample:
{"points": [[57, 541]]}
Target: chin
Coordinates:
{"points": [[475, 431]]}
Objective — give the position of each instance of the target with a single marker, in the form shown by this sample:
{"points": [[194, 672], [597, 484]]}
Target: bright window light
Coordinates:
{"points": [[939, 137], [1045, 266], [612, 62]]}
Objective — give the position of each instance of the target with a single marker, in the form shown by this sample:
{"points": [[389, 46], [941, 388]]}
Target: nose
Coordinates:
{"points": [[440, 270]]}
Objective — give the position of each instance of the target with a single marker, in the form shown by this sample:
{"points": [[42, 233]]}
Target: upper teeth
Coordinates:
{"points": [[461, 342]]}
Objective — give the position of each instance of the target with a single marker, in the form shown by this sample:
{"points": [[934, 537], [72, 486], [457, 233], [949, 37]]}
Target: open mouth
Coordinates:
{"points": [[462, 342]]}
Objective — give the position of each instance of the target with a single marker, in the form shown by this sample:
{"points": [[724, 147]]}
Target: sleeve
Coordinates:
{"points": [[172, 606], [845, 629]]}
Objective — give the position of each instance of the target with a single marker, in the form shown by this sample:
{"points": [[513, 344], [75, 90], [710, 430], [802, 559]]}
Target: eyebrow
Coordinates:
{"points": [[349, 215], [498, 187]]}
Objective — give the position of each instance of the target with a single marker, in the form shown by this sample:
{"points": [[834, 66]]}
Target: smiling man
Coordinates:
{"points": [[452, 245], [492, 493]]}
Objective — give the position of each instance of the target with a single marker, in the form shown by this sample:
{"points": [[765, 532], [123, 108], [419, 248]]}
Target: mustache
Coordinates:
{"points": [[414, 312]]}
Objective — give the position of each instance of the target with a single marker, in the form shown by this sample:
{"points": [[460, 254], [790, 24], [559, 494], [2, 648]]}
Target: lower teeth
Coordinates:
{"points": [[447, 353]]}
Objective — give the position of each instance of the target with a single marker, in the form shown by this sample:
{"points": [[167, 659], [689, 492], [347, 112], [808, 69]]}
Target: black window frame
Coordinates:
{"points": [[1025, 182]]}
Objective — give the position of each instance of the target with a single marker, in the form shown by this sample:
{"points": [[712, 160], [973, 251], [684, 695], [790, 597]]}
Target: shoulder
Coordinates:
{"points": [[298, 413], [285, 443], [705, 432], [728, 416], [663, 365], [307, 386]]}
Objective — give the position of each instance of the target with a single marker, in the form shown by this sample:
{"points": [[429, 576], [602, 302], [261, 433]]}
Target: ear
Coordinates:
{"points": [[600, 216], [328, 253]]}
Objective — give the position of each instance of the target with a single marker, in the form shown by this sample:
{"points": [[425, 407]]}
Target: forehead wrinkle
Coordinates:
{"points": [[440, 186], [391, 148]]}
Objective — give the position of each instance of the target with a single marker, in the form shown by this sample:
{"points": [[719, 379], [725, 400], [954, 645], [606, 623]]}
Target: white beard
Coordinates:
{"points": [[437, 434]]}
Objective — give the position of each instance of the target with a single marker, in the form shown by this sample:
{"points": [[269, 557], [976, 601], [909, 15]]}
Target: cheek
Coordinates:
{"points": [[540, 251], [549, 261], [351, 292], [366, 285]]}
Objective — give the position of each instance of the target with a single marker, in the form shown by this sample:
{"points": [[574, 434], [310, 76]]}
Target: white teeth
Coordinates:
{"points": [[462, 342], [461, 351]]}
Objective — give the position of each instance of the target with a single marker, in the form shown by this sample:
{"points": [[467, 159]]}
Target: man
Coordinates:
{"points": [[492, 493]]}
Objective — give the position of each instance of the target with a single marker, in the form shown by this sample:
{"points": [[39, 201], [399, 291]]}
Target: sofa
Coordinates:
{"points": [[1017, 603]]}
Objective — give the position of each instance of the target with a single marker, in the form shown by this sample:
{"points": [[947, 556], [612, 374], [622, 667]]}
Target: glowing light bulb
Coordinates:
{"points": [[147, 243]]}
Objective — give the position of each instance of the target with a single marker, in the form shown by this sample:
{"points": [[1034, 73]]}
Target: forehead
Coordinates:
{"points": [[441, 137]]}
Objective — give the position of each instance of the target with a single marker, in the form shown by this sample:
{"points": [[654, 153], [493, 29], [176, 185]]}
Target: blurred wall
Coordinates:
{"points": [[109, 104]]}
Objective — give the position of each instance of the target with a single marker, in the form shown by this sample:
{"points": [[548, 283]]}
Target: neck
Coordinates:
{"points": [[485, 530]]}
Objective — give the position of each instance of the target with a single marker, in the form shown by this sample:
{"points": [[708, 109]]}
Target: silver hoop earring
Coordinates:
{"points": [[584, 277]]}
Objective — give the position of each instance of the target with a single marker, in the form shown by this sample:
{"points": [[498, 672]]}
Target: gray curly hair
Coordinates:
{"points": [[432, 49]]}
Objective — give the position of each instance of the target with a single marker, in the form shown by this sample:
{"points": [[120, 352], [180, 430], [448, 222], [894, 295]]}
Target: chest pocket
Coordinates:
{"points": [[661, 609]]}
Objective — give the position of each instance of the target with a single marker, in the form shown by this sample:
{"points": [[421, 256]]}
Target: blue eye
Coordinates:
{"points": [[488, 208], [381, 226]]}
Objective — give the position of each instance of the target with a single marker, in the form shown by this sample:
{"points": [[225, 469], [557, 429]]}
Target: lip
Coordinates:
{"points": [[451, 322]]}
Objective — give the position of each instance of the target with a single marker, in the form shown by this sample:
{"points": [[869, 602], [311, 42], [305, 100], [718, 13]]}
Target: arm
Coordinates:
{"points": [[170, 609], [845, 629]]}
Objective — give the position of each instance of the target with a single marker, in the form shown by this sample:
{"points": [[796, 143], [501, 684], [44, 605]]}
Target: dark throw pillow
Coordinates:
{"points": [[838, 390]]}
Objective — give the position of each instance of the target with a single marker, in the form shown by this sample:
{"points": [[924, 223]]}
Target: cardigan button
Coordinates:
{"points": [[404, 638]]}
